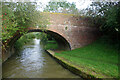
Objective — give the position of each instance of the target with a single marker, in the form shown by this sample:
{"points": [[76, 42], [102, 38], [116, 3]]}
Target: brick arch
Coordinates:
{"points": [[61, 40], [69, 30], [63, 43]]}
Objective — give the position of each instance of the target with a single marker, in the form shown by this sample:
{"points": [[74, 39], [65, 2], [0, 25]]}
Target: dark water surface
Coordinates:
{"points": [[33, 62]]}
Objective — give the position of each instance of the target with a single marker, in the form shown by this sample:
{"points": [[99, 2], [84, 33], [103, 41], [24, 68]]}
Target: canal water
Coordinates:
{"points": [[33, 62]]}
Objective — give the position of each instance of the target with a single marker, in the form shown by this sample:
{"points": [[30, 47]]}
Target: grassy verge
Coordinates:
{"points": [[100, 57]]}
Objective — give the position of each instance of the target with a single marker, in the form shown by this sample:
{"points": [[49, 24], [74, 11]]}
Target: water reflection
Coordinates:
{"points": [[31, 58], [33, 62]]}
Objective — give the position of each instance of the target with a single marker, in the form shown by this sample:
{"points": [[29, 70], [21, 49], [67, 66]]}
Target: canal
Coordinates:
{"points": [[33, 62]]}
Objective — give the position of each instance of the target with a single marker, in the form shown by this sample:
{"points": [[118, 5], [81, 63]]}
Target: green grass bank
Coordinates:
{"points": [[99, 58], [50, 44]]}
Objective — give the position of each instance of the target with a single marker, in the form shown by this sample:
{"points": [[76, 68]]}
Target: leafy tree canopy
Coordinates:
{"points": [[108, 14], [61, 7], [17, 16]]}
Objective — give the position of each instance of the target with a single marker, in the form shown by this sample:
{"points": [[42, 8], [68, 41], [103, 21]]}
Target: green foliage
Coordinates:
{"points": [[61, 7], [51, 44], [9, 26], [25, 39], [42, 37], [107, 15], [101, 57], [17, 16], [112, 20], [47, 41]]}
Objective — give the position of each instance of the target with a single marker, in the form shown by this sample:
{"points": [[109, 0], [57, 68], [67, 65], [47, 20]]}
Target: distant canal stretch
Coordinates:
{"points": [[33, 62]]}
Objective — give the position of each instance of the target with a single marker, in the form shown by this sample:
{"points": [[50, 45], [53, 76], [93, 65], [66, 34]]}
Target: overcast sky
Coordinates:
{"points": [[80, 4]]}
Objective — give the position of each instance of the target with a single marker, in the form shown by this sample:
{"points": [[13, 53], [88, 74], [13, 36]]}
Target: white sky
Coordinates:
{"points": [[80, 4]]}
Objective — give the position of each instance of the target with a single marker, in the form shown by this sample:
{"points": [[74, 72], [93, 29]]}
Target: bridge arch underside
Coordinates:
{"points": [[63, 44]]}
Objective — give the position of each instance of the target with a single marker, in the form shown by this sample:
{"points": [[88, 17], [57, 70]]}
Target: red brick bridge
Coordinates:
{"points": [[69, 31]]}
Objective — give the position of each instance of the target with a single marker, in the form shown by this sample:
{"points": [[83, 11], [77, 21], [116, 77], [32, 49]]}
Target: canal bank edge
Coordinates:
{"points": [[72, 68]]}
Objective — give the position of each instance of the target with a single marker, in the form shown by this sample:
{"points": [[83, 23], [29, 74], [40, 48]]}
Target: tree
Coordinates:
{"points": [[61, 7], [17, 16], [108, 14]]}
